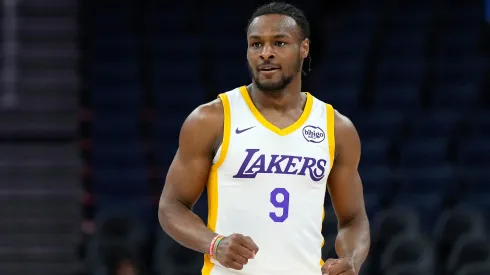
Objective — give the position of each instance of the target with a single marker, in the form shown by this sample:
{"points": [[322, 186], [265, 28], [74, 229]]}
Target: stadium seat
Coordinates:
{"points": [[424, 152], [452, 225], [474, 269], [407, 269], [387, 225], [469, 249], [117, 238], [375, 152], [479, 125], [475, 152], [435, 124], [398, 97], [408, 249], [426, 205], [173, 259], [380, 124]]}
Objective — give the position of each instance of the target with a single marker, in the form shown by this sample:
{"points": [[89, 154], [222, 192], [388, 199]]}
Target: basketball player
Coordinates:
{"points": [[268, 153]]}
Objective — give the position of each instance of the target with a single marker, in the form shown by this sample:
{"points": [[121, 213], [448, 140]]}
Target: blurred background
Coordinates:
{"points": [[93, 94]]}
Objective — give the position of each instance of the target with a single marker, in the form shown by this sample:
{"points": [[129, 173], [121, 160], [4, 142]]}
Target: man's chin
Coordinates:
{"points": [[270, 86]]}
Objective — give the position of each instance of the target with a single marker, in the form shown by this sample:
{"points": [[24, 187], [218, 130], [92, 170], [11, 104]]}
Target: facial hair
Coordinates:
{"points": [[279, 86]]}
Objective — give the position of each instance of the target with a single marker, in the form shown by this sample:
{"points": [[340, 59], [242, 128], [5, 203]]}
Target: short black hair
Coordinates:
{"points": [[284, 9]]}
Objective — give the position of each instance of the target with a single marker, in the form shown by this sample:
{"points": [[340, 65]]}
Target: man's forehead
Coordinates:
{"points": [[272, 23]]}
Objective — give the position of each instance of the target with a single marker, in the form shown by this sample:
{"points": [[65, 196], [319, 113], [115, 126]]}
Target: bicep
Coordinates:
{"points": [[345, 188], [187, 177], [188, 173], [344, 182]]}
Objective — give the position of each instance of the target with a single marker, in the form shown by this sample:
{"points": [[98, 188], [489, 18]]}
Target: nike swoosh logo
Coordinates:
{"points": [[243, 130]]}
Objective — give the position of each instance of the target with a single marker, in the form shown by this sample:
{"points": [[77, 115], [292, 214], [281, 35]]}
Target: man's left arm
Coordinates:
{"points": [[346, 192]]}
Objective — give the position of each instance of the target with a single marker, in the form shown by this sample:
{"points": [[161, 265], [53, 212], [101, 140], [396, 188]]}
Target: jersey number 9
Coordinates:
{"points": [[279, 202]]}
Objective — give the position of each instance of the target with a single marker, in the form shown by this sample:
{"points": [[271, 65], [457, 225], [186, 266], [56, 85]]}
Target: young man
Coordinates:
{"points": [[268, 153]]}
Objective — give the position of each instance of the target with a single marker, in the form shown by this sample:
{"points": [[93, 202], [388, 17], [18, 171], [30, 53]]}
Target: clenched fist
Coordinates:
{"points": [[235, 250], [338, 266]]}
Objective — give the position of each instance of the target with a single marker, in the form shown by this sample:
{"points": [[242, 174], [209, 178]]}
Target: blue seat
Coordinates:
{"points": [[118, 51], [476, 180], [343, 71], [115, 68], [460, 41], [177, 49], [116, 97], [119, 181], [393, 97], [458, 79], [131, 204], [116, 155], [436, 124], [402, 70], [380, 124], [177, 14], [477, 200], [415, 15], [427, 205], [229, 74], [350, 44], [461, 70], [179, 100], [227, 22], [177, 72], [474, 153], [375, 151], [344, 97], [114, 149], [479, 125], [119, 126], [376, 179], [404, 41], [372, 204], [353, 36], [424, 152], [221, 48], [439, 179], [462, 96]]}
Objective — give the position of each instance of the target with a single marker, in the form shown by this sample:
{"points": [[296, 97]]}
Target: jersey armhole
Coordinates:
{"points": [[220, 155]]}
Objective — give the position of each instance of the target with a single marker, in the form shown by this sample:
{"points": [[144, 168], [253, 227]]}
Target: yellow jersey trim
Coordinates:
{"points": [[282, 132], [212, 186], [321, 228], [331, 133], [331, 150]]}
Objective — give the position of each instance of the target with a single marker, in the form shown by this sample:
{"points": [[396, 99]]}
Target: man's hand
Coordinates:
{"points": [[235, 250], [338, 266]]}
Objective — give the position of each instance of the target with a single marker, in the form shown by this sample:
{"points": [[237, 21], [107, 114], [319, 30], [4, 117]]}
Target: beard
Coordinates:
{"points": [[275, 87]]}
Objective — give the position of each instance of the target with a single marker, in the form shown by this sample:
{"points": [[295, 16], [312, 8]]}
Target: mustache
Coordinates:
{"points": [[268, 64]]}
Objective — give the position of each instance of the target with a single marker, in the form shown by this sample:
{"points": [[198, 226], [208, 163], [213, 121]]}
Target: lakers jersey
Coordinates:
{"points": [[269, 183]]}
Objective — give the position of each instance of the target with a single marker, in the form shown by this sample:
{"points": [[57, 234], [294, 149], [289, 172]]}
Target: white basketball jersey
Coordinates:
{"points": [[270, 183]]}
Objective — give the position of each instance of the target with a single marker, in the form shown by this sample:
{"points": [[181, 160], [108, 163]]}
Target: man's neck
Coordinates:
{"points": [[287, 99]]}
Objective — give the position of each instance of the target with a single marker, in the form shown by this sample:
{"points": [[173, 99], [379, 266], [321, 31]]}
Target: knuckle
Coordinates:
{"points": [[232, 247], [228, 250]]}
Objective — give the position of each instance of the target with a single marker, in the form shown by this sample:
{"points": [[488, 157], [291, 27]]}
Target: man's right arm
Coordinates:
{"points": [[188, 175]]}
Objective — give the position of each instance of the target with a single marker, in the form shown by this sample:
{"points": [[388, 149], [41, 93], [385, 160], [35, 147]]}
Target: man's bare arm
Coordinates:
{"points": [[188, 175], [345, 187]]}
